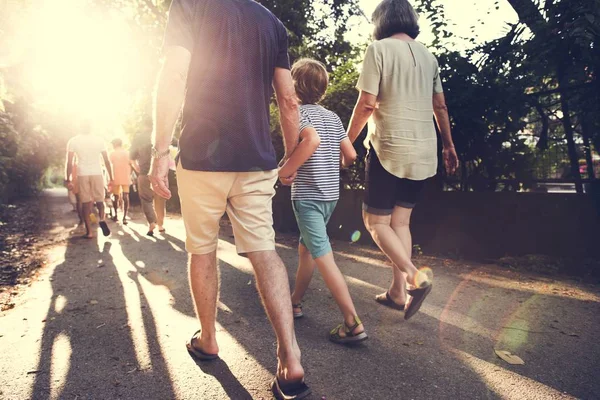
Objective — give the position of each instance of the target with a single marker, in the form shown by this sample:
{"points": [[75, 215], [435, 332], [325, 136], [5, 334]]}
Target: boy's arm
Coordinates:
{"points": [[348, 153], [309, 142]]}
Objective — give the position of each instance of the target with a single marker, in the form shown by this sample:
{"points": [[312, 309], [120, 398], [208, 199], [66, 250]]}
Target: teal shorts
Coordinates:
{"points": [[312, 217]]}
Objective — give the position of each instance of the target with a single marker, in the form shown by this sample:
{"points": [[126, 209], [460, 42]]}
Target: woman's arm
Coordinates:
{"points": [[440, 110], [363, 110], [309, 142], [348, 153]]}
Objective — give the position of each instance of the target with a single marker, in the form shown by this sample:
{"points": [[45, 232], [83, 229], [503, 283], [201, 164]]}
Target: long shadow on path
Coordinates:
{"points": [[87, 347]]}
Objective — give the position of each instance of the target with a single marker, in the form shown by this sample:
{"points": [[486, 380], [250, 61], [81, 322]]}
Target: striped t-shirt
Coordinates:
{"points": [[319, 177]]}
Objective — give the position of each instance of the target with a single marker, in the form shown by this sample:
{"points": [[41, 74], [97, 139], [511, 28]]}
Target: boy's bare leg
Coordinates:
{"points": [[306, 268], [204, 284], [272, 283], [339, 289]]}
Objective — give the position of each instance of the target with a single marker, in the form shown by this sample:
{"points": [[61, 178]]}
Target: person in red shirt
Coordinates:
{"points": [[121, 163]]}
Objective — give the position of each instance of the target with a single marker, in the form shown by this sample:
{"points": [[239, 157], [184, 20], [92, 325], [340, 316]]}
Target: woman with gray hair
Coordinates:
{"points": [[400, 87]]}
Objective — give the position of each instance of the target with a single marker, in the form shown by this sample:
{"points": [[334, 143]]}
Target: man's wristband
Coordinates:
{"points": [[157, 154]]}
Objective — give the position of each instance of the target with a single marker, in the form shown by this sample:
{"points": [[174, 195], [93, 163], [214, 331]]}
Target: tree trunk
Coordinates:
{"points": [[586, 132], [529, 14], [570, 135]]}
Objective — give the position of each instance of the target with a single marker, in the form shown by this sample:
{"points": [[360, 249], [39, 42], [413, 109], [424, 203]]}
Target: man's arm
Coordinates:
{"points": [[108, 165], [135, 165], [440, 110], [288, 109], [170, 93], [69, 166], [363, 110]]}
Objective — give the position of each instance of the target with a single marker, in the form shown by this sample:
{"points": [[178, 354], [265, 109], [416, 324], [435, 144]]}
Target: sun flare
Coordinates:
{"points": [[81, 61]]}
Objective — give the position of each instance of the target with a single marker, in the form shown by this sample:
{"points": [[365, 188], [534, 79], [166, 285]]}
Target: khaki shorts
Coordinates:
{"points": [[245, 196], [118, 189], [91, 188]]}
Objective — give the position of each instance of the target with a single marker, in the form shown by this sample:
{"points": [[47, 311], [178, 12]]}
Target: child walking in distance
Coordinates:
{"points": [[314, 171]]}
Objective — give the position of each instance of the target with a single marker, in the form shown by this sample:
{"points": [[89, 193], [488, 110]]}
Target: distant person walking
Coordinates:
{"points": [[153, 205], [224, 57], [89, 150], [73, 188], [400, 87], [315, 192], [121, 164]]}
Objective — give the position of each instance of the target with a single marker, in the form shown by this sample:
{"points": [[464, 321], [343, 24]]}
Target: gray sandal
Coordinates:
{"points": [[350, 337], [297, 314]]}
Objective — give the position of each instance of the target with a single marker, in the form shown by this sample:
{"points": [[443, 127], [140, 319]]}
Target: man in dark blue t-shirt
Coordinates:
{"points": [[223, 58]]}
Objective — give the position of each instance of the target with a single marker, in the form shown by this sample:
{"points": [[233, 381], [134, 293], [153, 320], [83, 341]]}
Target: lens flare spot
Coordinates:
{"points": [[355, 236], [425, 274]]}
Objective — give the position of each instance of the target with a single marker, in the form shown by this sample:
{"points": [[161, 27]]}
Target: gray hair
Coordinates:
{"points": [[395, 16]]}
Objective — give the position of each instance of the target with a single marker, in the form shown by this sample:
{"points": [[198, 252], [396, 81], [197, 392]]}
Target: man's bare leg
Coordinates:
{"points": [[204, 285], [79, 209], [125, 207], [272, 283], [306, 269], [87, 210], [115, 201], [160, 206], [101, 214]]}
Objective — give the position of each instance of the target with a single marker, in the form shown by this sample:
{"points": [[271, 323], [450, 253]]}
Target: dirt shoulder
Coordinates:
{"points": [[25, 233]]}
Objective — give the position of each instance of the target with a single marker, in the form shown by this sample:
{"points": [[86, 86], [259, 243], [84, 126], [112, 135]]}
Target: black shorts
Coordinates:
{"points": [[385, 191]]}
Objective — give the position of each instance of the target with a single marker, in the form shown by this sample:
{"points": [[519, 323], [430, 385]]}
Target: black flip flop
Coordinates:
{"points": [[104, 227], [389, 302], [290, 391], [150, 233], [197, 353], [418, 296]]}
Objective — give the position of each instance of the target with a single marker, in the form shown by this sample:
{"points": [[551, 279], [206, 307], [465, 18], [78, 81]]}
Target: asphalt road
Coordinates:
{"points": [[108, 319]]}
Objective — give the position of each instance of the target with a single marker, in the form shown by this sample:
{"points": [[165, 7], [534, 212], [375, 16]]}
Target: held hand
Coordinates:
{"points": [[159, 177], [287, 181], [450, 160]]}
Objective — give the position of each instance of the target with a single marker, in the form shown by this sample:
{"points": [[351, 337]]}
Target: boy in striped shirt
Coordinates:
{"points": [[314, 171]]}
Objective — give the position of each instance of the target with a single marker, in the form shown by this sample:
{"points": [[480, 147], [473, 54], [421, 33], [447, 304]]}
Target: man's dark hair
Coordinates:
{"points": [[395, 16], [310, 80]]}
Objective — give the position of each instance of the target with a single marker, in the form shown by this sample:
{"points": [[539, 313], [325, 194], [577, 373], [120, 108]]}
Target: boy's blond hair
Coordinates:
{"points": [[310, 80]]}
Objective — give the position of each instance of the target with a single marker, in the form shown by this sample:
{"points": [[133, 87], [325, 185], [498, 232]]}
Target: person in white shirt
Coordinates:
{"points": [[90, 183]]}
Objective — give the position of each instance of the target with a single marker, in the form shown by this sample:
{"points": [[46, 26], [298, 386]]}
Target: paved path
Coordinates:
{"points": [[108, 320]]}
